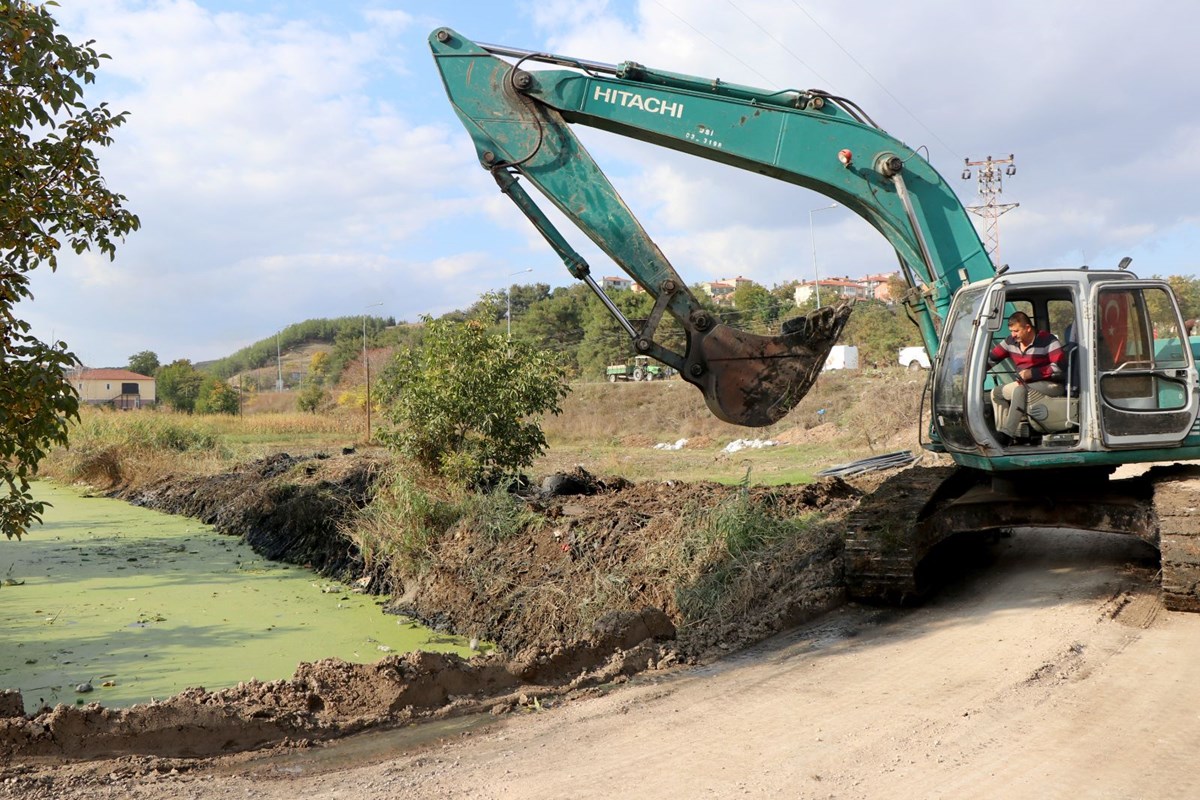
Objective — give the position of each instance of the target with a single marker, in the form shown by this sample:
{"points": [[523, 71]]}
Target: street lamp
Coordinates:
{"points": [[813, 238], [367, 366], [508, 298]]}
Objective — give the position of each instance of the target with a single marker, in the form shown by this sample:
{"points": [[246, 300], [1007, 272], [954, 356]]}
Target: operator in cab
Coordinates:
{"points": [[1039, 358]]}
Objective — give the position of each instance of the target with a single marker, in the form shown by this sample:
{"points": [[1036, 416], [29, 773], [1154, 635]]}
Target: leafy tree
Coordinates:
{"points": [[878, 332], [318, 367], [897, 287], [466, 403], [1187, 292], [215, 396], [556, 323], [311, 397], [758, 308], [786, 293], [178, 385], [143, 363], [51, 193], [604, 340], [492, 307]]}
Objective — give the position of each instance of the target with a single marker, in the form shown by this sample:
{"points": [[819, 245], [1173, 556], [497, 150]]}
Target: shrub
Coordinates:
{"points": [[465, 404]]}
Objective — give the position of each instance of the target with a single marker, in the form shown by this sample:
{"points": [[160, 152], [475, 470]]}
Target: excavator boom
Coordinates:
{"points": [[520, 121]]}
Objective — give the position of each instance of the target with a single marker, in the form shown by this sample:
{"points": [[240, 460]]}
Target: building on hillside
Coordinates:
{"points": [[609, 282], [834, 289], [721, 291], [118, 388], [879, 285]]}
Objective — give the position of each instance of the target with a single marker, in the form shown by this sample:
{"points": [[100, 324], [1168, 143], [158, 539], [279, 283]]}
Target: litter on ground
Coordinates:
{"points": [[749, 444]]}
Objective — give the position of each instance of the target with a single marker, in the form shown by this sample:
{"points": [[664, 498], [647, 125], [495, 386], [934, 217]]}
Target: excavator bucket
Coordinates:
{"points": [[755, 380]]}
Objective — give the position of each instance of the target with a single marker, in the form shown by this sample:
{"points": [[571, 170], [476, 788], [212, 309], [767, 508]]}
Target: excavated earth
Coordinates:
{"points": [[290, 508]]}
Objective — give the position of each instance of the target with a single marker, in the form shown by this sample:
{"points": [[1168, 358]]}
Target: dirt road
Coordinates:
{"points": [[1050, 671]]}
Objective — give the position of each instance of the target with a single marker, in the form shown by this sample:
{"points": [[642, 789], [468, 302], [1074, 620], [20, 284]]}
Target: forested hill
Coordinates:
{"points": [[570, 321], [344, 334]]}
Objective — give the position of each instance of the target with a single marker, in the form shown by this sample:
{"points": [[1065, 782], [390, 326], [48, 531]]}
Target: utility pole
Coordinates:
{"points": [[991, 185], [278, 366], [367, 367], [508, 301], [813, 237]]}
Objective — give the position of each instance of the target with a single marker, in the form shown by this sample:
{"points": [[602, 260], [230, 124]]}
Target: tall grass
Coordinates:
{"points": [[408, 516], [144, 431], [286, 425], [724, 553], [110, 449]]}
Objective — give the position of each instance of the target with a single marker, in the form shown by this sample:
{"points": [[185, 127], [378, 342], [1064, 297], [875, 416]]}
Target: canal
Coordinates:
{"points": [[135, 604]]}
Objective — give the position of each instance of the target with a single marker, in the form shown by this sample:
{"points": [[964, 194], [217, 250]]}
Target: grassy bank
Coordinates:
{"points": [[726, 563], [613, 428]]}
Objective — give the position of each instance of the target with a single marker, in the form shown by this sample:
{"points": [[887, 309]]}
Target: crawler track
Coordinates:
{"points": [[887, 536], [895, 529], [1177, 507]]}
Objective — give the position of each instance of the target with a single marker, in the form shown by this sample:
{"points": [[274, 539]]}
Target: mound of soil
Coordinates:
{"points": [[576, 600], [609, 545]]}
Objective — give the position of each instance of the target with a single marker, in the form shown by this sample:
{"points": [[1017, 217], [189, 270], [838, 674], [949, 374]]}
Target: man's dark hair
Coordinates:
{"points": [[1021, 317]]}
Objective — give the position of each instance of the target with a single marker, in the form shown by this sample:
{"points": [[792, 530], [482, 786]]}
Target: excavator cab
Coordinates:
{"points": [[1129, 379]]}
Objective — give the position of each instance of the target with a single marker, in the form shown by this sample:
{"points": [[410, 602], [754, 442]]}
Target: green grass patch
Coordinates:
{"points": [[406, 519], [732, 545]]}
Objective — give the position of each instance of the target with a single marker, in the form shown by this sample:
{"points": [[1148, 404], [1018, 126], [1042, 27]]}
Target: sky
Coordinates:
{"points": [[299, 160]]}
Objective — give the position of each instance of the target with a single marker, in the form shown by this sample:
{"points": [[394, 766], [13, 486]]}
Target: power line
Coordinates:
{"points": [[783, 46], [878, 83], [709, 39], [804, 63]]}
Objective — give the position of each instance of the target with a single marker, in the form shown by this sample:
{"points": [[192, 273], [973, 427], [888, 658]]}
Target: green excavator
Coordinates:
{"points": [[1130, 380]]}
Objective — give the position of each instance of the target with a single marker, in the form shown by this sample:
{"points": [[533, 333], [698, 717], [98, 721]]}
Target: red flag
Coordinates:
{"points": [[1114, 325]]}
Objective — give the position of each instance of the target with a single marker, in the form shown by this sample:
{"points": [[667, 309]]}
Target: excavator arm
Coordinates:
{"points": [[520, 123]]}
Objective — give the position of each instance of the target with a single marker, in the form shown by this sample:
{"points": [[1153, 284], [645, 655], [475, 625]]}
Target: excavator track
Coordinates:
{"points": [[894, 530], [886, 536], [1177, 508]]}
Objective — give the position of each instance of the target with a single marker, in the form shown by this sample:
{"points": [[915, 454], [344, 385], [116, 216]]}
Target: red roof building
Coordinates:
{"points": [[119, 388]]}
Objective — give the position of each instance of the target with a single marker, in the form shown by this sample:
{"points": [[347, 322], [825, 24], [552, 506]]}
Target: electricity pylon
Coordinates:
{"points": [[991, 186]]}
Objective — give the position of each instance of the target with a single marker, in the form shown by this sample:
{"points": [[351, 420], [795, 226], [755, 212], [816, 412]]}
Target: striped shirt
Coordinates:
{"points": [[1044, 358]]}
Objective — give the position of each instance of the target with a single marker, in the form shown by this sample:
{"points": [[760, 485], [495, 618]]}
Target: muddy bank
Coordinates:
{"points": [[610, 545], [332, 698], [577, 600], [288, 508]]}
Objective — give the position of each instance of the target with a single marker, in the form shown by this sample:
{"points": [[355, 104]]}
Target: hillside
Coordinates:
{"points": [[614, 428]]}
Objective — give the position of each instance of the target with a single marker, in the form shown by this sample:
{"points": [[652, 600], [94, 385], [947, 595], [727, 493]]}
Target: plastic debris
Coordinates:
{"points": [[678, 445], [749, 444]]}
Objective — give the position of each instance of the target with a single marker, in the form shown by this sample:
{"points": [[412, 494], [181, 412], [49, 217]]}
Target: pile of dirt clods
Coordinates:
{"points": [[600, 550]]}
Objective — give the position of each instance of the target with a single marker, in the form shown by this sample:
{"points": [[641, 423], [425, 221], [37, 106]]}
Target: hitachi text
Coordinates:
{"points": [[652, 105]]}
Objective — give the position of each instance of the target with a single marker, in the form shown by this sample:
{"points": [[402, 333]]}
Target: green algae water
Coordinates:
{"points": [[139, 605]]}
